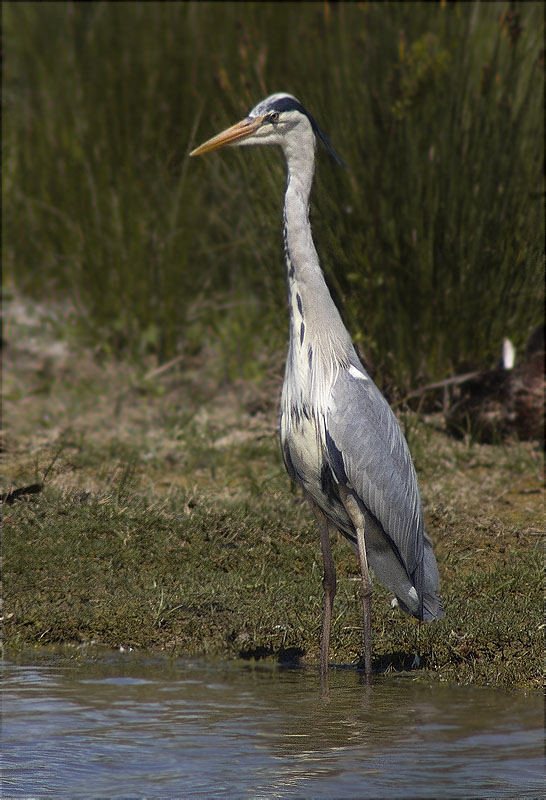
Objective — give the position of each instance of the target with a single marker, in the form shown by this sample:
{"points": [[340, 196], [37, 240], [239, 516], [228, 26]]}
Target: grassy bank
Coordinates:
{"points": [[166, 521], [146, 322]]}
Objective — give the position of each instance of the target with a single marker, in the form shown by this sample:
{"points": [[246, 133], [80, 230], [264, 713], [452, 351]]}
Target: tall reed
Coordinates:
{"points": [[432, 238]]}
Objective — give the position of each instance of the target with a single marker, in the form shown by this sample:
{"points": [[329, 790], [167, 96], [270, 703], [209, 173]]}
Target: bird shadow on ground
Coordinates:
{"points": [[286, 656], [396, 662], [399, 661]]}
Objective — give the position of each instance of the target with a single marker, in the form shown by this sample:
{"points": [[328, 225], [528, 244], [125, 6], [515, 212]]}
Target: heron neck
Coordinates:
{"points": [[314, 318], [300, 253]]}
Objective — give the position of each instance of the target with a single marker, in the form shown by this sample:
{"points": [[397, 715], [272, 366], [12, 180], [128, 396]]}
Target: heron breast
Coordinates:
{"points": [[301, 438]]}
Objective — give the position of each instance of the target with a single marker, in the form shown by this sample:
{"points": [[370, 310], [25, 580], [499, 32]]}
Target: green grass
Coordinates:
{"points": [[195, 574], [432, 239], [167, 522]]}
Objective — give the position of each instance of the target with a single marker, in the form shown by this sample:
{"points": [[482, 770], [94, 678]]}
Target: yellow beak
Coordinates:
{"points": [[241, 130]]}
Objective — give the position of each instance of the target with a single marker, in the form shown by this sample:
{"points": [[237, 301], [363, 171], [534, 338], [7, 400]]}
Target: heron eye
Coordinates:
{"points": [[273, 116]]}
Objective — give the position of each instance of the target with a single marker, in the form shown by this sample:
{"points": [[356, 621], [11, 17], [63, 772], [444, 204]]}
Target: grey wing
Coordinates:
{"points": [[366, 444], [369, 454]]}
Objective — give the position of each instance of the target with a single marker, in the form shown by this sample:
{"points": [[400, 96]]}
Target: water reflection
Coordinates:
{"points": [[126, 725]]}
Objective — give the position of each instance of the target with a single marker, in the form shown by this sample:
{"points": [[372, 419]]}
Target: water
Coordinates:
{"points": [[135, 726]]}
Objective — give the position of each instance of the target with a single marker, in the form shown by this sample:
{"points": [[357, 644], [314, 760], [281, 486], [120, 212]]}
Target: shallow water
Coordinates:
{"points": [[132, 725]]}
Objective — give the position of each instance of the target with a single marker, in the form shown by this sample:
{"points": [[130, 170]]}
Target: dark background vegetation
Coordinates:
{"points": [[432, 238]]}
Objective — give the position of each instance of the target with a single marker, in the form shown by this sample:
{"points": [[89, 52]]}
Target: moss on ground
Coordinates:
{"points": [[167, 521]]}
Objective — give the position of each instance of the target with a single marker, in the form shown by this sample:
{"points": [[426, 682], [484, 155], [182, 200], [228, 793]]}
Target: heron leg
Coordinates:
{"points": [[328, 584], [357, 518]]}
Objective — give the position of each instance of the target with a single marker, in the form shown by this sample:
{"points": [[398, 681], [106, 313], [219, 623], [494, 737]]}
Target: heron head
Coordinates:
{"points": [[275, 120]]}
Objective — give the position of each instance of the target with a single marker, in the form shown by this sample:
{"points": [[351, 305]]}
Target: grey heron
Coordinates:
{"points": [[340, 439]]}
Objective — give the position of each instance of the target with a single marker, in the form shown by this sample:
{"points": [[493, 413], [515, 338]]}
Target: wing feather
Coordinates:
{"points": [[376, 462]]}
